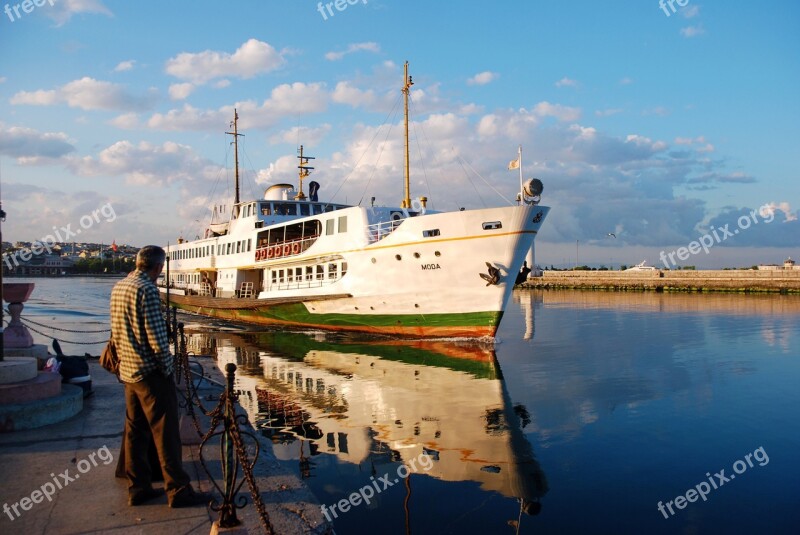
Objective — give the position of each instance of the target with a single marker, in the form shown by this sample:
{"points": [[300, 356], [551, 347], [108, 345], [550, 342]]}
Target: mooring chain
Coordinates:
{"points": [[247, 470], [28, 320], [62, 340]]}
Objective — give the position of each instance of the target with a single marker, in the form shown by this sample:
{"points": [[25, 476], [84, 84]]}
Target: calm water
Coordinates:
{"points": [[591, 409]]}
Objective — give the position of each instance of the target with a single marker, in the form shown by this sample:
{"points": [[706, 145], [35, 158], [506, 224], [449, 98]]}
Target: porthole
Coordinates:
{"points": [[398, 257], [437, 253]]}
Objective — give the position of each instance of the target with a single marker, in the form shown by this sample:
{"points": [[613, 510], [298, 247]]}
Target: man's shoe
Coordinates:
{"points": [[188, 497], [144, 496]]}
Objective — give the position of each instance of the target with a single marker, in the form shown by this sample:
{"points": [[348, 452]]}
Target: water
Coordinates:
{"points": [[591, 409]]}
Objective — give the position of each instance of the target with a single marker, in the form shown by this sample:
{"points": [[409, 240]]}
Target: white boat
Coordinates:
{"points": [[291, 259], [642, 267]]}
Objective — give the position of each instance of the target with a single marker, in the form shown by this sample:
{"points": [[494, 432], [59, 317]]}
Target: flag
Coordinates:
{"points": [[114, 246], [513, 164]]}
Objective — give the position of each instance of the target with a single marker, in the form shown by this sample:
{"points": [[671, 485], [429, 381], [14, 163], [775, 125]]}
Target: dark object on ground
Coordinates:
{"points": [[144, 496], [188, 497]]}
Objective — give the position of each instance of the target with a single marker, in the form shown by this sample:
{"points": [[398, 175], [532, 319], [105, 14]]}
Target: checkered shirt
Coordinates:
{"points": [[139, 329]]}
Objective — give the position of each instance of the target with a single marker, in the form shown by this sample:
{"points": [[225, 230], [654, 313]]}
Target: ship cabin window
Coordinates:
{"points": [[285, 209], [344, 268], [249, 245], [229, 248], [298, 274], [343, 224], [274, 276], [265, 208], [281, 278], [329, 224], [290, 275], [430, 233], [309, 273], [320, 272], [331, 271], [305, 209], [492, 225]]}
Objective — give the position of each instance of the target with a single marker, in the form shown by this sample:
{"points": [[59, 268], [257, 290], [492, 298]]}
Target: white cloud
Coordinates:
{"points": [[30, 146], [87, 94], [345, 93], [692, 31], [354, 47], [626, 81], [146, 163], [221, 84], [562, 113], [690, 12], [285, 100], [61, 11], [254, 57], [3, 79], [566, 82], [127, 121], [123, 66], [180, 91], [608, 112], [770, 209], [483, 78], [301, 135]]}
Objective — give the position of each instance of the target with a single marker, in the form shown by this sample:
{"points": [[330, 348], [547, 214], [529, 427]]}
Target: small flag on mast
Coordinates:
{"points": [[513, 164], [114, 246]]}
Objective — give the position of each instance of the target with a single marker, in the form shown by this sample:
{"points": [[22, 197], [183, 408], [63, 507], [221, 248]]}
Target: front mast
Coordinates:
{"points": [[235, 135], [407, 83]]}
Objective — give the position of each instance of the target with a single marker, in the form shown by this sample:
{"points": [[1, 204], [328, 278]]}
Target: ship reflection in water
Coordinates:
{"points": [[346, 412]]}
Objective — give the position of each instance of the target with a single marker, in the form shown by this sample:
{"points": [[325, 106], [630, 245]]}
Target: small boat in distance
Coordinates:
{"points": [[642, 267], [292, 259]]}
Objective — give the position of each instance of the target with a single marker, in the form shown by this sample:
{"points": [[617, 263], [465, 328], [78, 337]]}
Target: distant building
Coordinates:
{"points": [[787, 264], [42, 265]]}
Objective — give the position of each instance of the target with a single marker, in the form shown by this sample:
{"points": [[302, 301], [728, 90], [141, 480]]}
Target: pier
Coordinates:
{"points": [[745, 281]]}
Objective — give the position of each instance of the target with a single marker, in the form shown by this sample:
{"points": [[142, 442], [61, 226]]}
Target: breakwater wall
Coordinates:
{"points": [[778, 281]]}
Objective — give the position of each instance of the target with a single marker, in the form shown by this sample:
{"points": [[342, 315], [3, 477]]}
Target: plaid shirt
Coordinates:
{"points": [[139, 329]]}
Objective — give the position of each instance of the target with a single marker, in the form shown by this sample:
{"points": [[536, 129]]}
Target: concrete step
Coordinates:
{"points": [[41, 412], [16, 369], [44, 385]]}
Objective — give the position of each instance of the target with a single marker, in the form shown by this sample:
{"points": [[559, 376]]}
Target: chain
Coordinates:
{"points": [[247, 470], [28, 320], [65, 341]]}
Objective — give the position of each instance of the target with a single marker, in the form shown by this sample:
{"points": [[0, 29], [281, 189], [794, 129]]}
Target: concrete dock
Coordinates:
{"points": [[774, 281], [59, 479]]}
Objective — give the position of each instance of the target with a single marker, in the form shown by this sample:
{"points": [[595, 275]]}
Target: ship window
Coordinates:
{"points": [[290, 274], [317, 209], [265, 208], [320, 272], [249, 245], [331, 271], [304, 209], [329, 227], [229, 248], [344, 268], [298, 274], [280, 276], [274, 276], [430, 233], [343, 224], [309, 273], [492, 225]]}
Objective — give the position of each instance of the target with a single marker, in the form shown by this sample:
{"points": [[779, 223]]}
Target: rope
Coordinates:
{"points": [[66, 341]]}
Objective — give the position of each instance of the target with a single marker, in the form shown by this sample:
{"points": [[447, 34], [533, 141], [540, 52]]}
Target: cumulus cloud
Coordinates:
{"points": [[30, 146], [285, 100], [251, 59], [63, 10], [566, 82], [483, 78], [146, 163], [180, 91], [354, 47], [87, 94], [123, 66], [692, 31], [301, 135]]}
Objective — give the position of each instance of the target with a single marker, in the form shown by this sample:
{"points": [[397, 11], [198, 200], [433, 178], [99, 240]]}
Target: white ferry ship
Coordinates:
{"points": [[291, 259]]}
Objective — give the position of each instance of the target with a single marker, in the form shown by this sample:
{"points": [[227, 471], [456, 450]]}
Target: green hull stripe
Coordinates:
{"points": [[297, 313]]}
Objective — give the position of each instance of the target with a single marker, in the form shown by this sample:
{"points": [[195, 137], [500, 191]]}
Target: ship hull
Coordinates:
{"points": [[455, 283]]}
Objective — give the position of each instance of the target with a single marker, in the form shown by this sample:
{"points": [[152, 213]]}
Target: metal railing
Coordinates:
{"points": [[378, 231]]}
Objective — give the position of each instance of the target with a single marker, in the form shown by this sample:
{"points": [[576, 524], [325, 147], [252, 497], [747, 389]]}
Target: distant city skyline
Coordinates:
{"points": [[653, 123]]}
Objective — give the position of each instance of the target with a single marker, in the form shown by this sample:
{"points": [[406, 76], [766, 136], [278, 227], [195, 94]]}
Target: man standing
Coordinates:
{"points": [[146, 367]]}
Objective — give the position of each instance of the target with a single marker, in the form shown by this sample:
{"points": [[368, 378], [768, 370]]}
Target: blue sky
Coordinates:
{"points": [[655, 128]]}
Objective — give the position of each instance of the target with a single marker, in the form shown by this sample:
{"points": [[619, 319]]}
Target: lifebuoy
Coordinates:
{"points": [[258, 255], [269, 252], [287, 249], [278, 251], [295, 248]]}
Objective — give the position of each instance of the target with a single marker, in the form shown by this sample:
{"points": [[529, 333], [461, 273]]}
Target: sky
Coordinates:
{"points": [[651, 126]]}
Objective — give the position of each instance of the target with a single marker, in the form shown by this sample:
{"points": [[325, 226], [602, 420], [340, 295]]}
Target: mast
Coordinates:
{"points": [[236, 135], [407, 83], [305, 170]]}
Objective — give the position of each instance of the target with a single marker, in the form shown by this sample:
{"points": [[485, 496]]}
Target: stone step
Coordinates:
{"points": [[44, 385], [41, 412], [16, 369]]}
